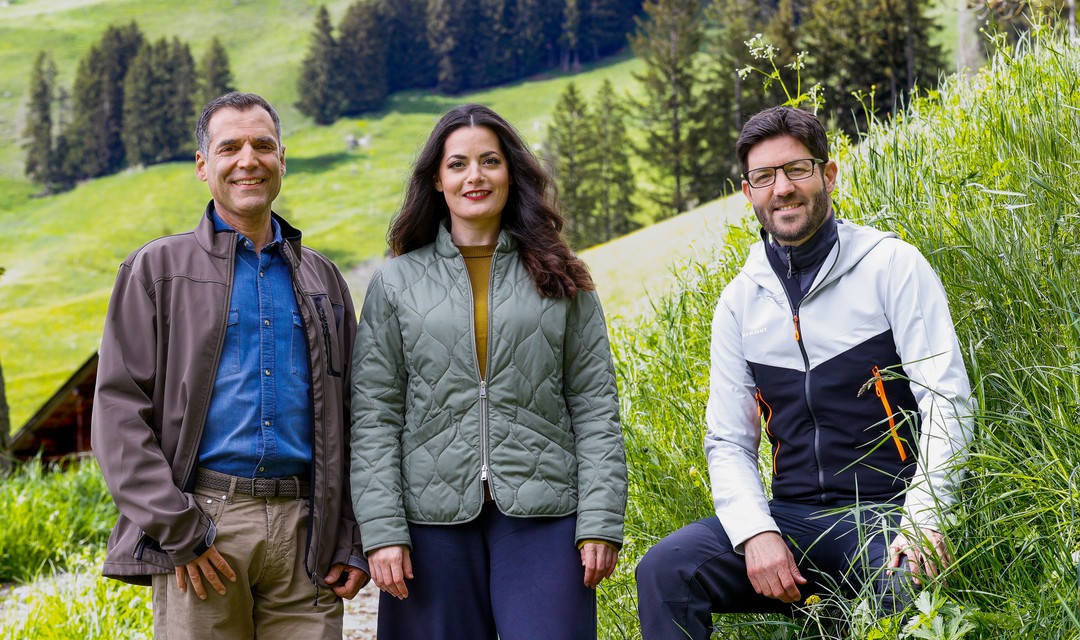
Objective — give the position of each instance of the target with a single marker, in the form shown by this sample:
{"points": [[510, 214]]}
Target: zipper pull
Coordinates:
{"points": [[483, 473], [483, 390], [790, 263], [798, 336]]}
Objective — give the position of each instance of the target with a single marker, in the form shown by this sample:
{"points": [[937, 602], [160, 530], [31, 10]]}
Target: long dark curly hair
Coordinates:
{"points": [[531, 215]]}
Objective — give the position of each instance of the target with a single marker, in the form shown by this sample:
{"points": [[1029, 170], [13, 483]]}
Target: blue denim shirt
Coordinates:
{"points": [[259, 424]]}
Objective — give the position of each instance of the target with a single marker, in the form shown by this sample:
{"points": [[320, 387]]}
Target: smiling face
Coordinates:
{"points": [[790, 211], [242, 165], [475, 180]]}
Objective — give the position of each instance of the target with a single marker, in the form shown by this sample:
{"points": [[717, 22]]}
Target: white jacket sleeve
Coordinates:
{"points": [[926, 342], [733, 435]]}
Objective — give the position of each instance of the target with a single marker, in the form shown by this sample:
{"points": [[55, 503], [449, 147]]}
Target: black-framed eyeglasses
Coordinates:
{"points": [[794, 170]]}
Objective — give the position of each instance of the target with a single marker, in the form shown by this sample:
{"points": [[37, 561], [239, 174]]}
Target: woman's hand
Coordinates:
{"points": [[599, 561], [390, 566]]}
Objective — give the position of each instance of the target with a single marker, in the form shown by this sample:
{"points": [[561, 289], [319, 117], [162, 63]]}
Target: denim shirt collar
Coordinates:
{"points": [[220, 225]]}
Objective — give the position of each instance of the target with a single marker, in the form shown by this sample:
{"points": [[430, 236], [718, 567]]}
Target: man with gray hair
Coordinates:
{"points": [[220, 410]]}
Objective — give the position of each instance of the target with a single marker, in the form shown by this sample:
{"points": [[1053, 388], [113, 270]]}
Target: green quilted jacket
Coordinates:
{"points": [[543, 428]]}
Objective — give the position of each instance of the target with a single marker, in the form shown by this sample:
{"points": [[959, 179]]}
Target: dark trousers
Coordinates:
{"points": [[494, 577], [694, 573]]}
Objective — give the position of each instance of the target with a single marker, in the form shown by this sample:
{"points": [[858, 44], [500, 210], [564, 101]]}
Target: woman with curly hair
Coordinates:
{"points": [[488, 472]]}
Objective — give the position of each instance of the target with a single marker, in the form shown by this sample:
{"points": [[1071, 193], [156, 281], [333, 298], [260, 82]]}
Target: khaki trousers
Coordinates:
{"points": [[264, 541]]}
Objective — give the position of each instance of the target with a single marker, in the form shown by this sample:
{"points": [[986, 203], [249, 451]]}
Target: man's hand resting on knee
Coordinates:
{"points": [[771, 567]]}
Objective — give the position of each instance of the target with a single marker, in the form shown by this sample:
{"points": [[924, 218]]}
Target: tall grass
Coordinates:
{"points": [[79, 604], [981, 176], [49, 514]]}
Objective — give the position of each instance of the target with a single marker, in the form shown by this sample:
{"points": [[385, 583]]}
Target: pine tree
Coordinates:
{"points": [[569, 144], [494, 44], [85, 142], [725, 101], [183, 85], [94, 136], [62, 174], [612, 181], [667, 42], [841, 60], [408, 53], [215, 76], [320, 95], [119, 46], [452, 33], [142, 133], [537, 29], [871, 66], [570, 41], [159, 112], [782, 32], [906, 45], [39, 123], [604, 25], [362, 46], [5, 419]]}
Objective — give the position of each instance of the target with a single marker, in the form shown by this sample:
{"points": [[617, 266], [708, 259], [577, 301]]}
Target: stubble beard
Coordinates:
{"points": [[816, 211]]}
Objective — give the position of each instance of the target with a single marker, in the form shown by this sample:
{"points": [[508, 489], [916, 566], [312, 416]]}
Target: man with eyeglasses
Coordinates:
{"points": [[836, 341]]}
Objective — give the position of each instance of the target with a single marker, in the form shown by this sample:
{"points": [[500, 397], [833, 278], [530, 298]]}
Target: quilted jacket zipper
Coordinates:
{"points": [[484, 453]]}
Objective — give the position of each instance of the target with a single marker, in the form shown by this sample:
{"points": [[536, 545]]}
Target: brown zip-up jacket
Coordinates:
{"points": [[159, 355]]}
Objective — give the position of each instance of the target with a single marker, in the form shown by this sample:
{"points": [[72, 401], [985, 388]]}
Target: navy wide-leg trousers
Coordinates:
{"points": [[495, 577], [694, 572]]}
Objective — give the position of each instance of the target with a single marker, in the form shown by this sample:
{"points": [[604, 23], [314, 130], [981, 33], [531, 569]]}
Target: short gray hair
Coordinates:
{"points": [[232, 100]]}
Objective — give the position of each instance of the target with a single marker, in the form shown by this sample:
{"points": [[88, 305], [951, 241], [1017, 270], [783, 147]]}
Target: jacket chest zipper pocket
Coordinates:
{"points": [[879, 389], [328, 343], [764, 412]]}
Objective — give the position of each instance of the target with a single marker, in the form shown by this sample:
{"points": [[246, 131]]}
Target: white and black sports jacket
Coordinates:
{"points": [[861, 388]]}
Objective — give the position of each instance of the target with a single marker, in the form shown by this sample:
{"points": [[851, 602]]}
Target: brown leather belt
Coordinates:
{"points": [[289, 487]]}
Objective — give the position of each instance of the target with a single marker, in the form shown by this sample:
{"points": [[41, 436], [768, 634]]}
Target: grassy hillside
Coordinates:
{"points": [[981, 178], [266, 40], [64, 249], [634, 272]]}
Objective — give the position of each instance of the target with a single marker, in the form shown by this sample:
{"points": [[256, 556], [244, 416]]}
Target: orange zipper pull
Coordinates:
{"points": [[798, 337], [879, 389]]}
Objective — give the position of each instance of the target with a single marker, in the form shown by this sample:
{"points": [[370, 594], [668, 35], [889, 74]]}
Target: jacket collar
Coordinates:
{"points": [[220, 245], [853, 242], [808, 255], [445, 247]]}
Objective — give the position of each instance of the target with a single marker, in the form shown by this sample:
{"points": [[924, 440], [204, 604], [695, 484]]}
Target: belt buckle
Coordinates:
{"points": [[258, 490]]}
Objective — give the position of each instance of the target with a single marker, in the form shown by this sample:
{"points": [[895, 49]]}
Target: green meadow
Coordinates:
{"points": [[980, 176], [63, 250]]}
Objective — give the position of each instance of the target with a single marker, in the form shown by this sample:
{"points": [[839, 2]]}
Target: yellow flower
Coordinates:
{"points": [[812, 600], [693, 471]]}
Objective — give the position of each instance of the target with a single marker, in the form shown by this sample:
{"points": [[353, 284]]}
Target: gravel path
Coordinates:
{"points": [[360, 614]]}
